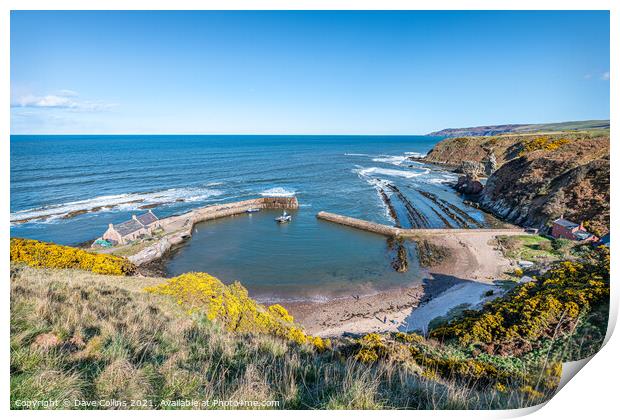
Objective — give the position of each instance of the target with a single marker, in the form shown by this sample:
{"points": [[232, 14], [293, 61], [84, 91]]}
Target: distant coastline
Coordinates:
{"points": [[492, 130]]}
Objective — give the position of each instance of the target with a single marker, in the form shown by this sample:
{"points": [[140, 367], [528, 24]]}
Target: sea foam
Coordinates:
{"points": [[392, 172], [129, 201], [393, 160], [277, 192]]}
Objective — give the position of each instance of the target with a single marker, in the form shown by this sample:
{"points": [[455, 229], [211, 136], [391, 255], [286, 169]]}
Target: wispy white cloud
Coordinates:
{"points": [[68, 93], [605, 76], [63, 99]]}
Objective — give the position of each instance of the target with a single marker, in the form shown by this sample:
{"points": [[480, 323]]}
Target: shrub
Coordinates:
{"points": [[112, 343], [542, 143], [537, 310], [232, 307], [435, 362], [595, 228], [509, 242], [48, 255], [561, 245], [409, 337]]}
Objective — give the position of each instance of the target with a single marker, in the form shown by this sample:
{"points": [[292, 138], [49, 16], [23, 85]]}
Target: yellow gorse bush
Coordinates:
{"points": [[231, 306], [542, 143], [48, 255], [535, 310], [433, 364]]}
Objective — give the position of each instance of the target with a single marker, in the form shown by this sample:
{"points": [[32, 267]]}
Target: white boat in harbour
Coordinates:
{"points": [[285, 218], [252, 210]]}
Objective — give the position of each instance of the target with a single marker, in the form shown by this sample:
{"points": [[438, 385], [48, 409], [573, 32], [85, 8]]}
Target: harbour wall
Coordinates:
{"points": [[179, 228], [359, 224], [399, 232]]}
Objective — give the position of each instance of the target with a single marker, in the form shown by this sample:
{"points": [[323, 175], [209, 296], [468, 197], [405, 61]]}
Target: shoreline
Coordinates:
{"points": [[465, 277]]}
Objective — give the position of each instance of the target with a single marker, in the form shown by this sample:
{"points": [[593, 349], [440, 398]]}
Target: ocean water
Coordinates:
{"points": [[66, 189]]}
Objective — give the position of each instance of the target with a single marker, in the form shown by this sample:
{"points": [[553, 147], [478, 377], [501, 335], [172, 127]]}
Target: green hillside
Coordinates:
{"points": [[597, 126]]}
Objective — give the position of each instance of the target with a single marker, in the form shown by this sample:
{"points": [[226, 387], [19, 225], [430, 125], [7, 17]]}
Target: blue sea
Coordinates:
{"points": [[66, 189]]}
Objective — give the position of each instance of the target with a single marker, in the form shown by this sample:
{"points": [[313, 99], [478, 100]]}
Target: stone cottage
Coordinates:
{"points": [[136, 227], [566, 229]]}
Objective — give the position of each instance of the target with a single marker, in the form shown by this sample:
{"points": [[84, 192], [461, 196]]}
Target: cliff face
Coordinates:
{"points": [[535, 191], [454, 151], [540, 178]]}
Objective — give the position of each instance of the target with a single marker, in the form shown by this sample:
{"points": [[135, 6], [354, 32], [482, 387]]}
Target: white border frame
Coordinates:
{"points": [[592, 395]]}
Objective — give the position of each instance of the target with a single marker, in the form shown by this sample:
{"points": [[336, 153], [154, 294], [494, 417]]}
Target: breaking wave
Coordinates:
{"points": [[416, 155], [393, 160], [396, 160], [277, 192], [443, 179], [365, 172], [129, 201]]}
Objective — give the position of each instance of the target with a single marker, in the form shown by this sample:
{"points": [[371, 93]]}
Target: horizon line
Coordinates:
{"points": [[208, 134], [306, 134]]}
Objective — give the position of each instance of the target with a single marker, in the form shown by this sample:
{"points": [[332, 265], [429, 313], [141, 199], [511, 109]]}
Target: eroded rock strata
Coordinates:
{"points": [[539, 177]]}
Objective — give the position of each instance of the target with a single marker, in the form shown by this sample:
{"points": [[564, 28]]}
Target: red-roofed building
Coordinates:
{"points": [[566, 229]]}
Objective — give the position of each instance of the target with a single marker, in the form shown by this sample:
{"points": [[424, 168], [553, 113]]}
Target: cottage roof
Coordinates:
{"points": [[128, 227], [147, 218], [566, 223], [582, 235]]}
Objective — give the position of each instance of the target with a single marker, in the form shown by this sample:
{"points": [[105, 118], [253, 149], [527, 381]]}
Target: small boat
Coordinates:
{"points": [[252, 210], [285, 218]]}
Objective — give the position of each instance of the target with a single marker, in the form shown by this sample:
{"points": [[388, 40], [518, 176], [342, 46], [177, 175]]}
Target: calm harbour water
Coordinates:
{"points": [[53, 177]]}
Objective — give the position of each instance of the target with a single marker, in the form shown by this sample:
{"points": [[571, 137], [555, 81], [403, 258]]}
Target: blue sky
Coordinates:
{"points": [[304, 72]]}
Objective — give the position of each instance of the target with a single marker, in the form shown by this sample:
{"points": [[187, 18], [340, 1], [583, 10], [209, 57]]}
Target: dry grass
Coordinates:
{"points": [[80, 336]]}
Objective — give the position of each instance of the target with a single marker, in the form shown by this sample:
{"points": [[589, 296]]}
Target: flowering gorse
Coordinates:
{"points": [[47, 255], [535, 310], [231, 306], [542, 143]]}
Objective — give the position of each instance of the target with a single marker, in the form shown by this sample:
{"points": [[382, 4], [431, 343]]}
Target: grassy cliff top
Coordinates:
{"points": [[82, 336], [78, 335], [576, 147], [599, 126]]}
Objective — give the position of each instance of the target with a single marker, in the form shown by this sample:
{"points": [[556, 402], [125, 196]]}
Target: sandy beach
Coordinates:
{"points": [[463, 278]]}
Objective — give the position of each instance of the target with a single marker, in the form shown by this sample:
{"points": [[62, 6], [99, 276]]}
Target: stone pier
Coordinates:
{"points": [[179, 228], [359, 224], [399, 232]]}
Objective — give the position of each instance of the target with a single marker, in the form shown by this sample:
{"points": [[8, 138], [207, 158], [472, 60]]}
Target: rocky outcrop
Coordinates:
{"points": [[471, 168], [468, 185], [534, 179], [455, 151], [490, 163], [535, 191], [159, 248], [397, 248]]}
